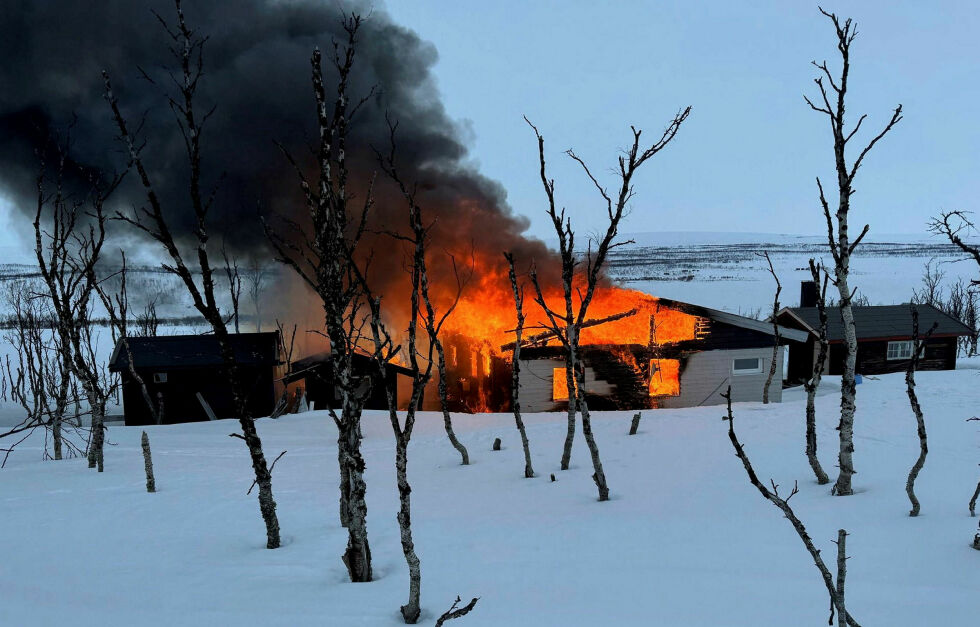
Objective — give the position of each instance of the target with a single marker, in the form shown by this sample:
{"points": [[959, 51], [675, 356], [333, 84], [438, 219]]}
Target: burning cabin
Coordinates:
{"points": [[187, 373], [661, 353]]}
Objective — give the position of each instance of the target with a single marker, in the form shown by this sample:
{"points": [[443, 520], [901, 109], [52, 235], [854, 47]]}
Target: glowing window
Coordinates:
{"points": [[665, 377], [559, 385]]}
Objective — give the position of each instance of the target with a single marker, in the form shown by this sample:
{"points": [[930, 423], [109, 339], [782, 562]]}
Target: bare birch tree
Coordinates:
{"points": [[324, 253], [567, 323], [775, 329], [151, 219], [256, 277], [917, 345], [813, 382], [234, 285], [117, 307], [838, 236], [69, 232], [422, 315], [834, 589], [41, 382], [515, 395], [955, 225]]}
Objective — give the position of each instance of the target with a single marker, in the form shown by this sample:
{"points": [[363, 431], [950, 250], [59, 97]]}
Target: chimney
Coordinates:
{"points": [[808, 294]]}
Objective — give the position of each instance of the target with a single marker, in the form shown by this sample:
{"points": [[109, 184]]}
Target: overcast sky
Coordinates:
{"points": [[746, 158]]}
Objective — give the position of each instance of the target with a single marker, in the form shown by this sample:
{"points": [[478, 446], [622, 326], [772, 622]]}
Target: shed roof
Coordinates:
{"points": [[195, 351], [362, 361], [878, 322]]}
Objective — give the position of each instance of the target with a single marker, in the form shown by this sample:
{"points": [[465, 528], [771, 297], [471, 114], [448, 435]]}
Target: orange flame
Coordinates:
{"points": [[486, 311], [665, 377]]}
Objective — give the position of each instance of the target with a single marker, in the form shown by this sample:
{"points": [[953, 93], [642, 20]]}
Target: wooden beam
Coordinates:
{"points": [[531, 340]]}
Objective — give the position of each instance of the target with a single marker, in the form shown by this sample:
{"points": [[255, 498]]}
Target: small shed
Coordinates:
{"points": [[181, 370], [884, 334], [315, 374]]}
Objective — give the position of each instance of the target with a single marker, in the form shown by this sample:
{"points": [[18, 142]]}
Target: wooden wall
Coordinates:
{"points": [[940, 354]]}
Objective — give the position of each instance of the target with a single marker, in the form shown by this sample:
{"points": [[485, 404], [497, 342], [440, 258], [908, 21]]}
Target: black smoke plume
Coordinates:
{"points": [[257, 76]]}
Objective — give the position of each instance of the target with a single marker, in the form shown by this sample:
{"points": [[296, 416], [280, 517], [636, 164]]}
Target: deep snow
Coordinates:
{"points": [[685, 540]]}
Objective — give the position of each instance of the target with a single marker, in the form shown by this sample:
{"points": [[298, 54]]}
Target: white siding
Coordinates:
{"points": [[704, 377], [536, 382], [707, 375]]}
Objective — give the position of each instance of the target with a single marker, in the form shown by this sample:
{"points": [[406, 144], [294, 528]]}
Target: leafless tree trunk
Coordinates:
{"points": [[775, 328], [323, 254], [917, 346], [954, 225], [842, 617], [257, 275], [147, 323], [841, 245], [836, 591], [515, 396], [67, 252], [117, 307], [635, 424], [814, 382], [41, 382], [152, 220], [151, 485], [234, 284], [566, 325], [422, 314]]}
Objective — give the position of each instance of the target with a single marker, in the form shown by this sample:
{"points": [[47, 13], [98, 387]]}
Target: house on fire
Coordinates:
{"points": [[884, 335], [688, 356], [186, 373]]}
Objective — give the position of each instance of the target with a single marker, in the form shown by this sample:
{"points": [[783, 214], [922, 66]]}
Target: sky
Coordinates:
{"points": [[747, 157]]}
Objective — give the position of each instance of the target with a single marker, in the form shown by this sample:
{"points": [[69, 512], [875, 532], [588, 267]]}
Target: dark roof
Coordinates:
{"points": [[192, 351], [879, 322], [362, 361], [735, 320]]}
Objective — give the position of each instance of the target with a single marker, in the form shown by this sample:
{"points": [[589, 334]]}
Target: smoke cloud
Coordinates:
{"points": [[258, 79]]}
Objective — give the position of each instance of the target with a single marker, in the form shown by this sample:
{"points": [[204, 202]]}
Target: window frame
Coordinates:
{"points": [[906, 353], [738, 372]]}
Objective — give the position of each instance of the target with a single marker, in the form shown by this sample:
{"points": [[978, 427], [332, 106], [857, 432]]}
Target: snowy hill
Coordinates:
{"points": [[724, 270], [685, 539]]}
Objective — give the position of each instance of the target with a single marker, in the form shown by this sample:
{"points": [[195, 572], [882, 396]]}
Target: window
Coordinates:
{"points": [[665, 377], [747, 365], [899, 350], [559, 385], [159, 377]]}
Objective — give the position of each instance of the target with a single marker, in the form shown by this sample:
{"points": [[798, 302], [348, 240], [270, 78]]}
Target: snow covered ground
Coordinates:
{"points": [[684, 541]]}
